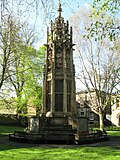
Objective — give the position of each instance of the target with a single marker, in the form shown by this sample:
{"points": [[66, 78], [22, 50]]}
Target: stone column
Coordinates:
{"points": [[53, 81], [44, 83], [44, 97], [73, 95], [65, 95], [64, 82]]}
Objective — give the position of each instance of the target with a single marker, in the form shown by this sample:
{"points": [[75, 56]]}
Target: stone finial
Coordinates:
{"points": [[59, 8]]}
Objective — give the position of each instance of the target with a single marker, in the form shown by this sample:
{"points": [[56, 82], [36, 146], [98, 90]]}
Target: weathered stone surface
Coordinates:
{"points": [[59, 120]]}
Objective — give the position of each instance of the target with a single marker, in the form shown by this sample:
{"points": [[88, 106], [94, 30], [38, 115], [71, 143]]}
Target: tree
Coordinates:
{"points": [[107, 5], [33, 86], [98, 62], [101, 9], [22, 65], [21, 10], [26, 76], [7, 36]]}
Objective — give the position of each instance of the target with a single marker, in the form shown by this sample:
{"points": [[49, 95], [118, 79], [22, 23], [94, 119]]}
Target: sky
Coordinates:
{"points": [[35, 16], [67, 11], [69, 7], [73, 6]]}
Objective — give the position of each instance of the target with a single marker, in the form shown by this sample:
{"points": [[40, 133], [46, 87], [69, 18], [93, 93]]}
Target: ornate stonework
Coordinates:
{"points": [[59, 69], [58, 121]]}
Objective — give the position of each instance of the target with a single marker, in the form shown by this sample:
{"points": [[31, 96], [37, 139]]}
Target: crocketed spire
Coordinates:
{"points": [[59, 8]]}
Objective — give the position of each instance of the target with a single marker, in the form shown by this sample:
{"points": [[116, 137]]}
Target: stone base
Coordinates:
{"points": [[57, 129], [53, 128]]}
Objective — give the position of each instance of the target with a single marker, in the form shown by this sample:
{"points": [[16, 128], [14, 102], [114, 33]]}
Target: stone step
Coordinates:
{"points": [[60, 137], [45, 135], [58, 127], [62, 130]]}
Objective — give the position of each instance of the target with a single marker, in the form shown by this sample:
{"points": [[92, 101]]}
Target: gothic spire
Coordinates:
{"points": [[59, 8]]}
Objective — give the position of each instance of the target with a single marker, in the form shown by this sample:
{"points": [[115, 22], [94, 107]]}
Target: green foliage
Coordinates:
{"points": [[107, 5], [32, 75], [23, 66], [33, 86], [101, 29], [8, 105]]}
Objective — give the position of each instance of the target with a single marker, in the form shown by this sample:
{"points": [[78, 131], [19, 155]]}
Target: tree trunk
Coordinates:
{"points": [[101, 121]]}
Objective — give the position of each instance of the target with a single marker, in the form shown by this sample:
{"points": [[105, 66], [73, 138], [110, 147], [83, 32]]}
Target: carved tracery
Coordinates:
{"points": [[50, 50], [59, 55]]}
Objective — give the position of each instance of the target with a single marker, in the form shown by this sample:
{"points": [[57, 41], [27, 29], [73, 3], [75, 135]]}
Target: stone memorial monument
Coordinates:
{"points": [[59, 118]]}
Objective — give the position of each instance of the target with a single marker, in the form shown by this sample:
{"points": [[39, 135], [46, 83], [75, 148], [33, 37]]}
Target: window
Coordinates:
{"points": [[58, 102], [82, 113], [59, 95], [68, 86], [59, 86], [68, 96], [91, 116]]}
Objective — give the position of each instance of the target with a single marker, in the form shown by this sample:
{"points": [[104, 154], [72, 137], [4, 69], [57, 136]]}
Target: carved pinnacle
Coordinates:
{"points": [[59, 8]]}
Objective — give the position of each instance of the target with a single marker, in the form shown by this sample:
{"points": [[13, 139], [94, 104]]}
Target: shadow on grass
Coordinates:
{"points": [[5, 144], [61, 153], [16, 151]]}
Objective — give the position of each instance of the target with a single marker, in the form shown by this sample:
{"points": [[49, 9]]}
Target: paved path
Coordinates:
{"points": [[113, 142]]}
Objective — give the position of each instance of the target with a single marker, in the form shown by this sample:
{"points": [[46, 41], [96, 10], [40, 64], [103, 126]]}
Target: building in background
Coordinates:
{"points": [[115, 110], [83, 99], [112, 112]]}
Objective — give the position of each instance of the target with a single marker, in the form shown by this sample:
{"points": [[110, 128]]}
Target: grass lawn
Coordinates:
{"points": [[39, 153], [5, 130], [56, 153], [113, 133]]}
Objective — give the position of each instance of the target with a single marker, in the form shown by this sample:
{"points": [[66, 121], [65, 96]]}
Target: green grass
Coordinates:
{"points": [[5, 130], [39, 153], [113, 133], [112, 128], [55, 152]]}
